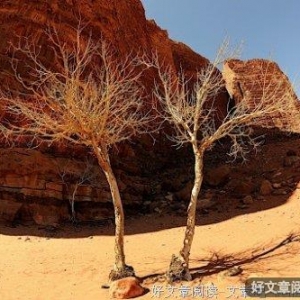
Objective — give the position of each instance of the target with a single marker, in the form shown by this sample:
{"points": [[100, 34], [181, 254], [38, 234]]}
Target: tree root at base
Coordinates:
{"points": [[178, 270], [127, 271]]}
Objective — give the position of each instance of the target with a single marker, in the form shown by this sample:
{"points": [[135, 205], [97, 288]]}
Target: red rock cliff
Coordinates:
{"points": [[31, 185], [256, 79]]}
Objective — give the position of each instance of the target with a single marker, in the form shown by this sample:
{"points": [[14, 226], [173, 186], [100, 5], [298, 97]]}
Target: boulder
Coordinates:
{"points": [[185, 193], [266, 188], [217, 176], [9, 209], [290, 161], [253, 80], [241, 187], [248, 199], [244, 188], [280, 192], [169, 197], [277, 185], [126, 288], [205, 203]]}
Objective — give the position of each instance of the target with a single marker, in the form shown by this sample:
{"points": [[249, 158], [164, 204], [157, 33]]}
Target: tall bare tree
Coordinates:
{"points": [[86, 97], [192, 112]]}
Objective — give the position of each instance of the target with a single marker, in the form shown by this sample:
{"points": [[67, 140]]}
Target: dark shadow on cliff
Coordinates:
{"points": [[134, 224], [262, 165]]}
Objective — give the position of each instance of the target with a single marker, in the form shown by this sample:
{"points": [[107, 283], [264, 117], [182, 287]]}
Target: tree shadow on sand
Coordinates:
{"points": [[232, 264], [218, 263]]}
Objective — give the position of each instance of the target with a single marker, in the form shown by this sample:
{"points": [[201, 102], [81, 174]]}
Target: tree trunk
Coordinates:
{"points": [[179, 267], [120, 270]]}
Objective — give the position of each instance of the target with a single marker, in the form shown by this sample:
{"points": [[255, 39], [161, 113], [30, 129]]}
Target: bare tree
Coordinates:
{"points": [[72, 181], [192, 112], [86, 97]]}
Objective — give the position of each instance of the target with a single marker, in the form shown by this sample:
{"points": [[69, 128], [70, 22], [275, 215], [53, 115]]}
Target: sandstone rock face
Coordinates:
{"points": [[121, 23], [251, 80], [187, 60], [9, 209], [40, 187]]}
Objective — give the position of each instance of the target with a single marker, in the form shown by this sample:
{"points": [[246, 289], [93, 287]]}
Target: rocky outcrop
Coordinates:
{"points": [[122, 24], [52, 184], [256, 80], [33, 183], [40, 187], [43, 188]]}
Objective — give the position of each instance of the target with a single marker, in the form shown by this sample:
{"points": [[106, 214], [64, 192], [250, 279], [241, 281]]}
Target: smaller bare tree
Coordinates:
{"points": [[72, 184], [86, 97], [192, 112]]}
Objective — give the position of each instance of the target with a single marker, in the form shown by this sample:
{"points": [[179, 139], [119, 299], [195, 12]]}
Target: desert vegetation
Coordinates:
{"points": [[190, 108], [88, 97]]}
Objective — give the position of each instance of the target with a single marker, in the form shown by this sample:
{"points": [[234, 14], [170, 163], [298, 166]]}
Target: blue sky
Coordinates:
{"points": [[269, 28]]}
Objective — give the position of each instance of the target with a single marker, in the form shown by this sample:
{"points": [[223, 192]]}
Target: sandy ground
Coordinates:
{"points": [[73, 263]]}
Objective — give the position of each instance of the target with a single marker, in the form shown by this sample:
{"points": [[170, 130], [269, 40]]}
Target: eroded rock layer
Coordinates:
{"points": [[258, 80], [34, 184]]}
